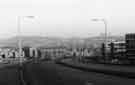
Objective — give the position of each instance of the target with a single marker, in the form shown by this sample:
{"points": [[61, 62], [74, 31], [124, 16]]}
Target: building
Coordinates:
{"points": [[53, 52], [30, 52], [10, 52], [122, 51], [117, 50], [130, 47], [80, 53]]}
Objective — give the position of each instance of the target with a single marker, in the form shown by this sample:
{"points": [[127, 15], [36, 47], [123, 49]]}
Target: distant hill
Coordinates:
{"points": [[33, 41], [38, 41]]}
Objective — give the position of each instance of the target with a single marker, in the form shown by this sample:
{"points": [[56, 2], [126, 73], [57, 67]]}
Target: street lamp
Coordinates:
{"points": [[105, 24], [19, 32]]}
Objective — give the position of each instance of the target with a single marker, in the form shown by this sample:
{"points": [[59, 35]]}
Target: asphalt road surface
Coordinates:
{"points": [[9, 75], [48, 73], [54, 74]]}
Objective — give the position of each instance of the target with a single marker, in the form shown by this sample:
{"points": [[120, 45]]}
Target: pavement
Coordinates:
{"points": [[49, 73], [117, 70]]}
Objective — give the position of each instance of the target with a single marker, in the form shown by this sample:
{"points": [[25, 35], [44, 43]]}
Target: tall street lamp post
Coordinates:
{"points": [[19, 18], [105, 24]]}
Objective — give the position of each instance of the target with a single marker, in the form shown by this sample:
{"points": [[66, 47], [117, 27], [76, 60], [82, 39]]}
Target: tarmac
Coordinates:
{"points": [[117, 70]]}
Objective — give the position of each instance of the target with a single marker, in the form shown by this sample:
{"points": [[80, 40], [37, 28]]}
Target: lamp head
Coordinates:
{"points": [[95, 19], [30, 16]]}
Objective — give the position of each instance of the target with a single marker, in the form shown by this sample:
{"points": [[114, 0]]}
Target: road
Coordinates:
{"points": [[9, 75], [54, 74], [49, 73]]}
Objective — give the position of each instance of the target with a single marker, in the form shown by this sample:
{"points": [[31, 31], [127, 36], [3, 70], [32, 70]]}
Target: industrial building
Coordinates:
{"points": [[121, 51], [130, 47]]}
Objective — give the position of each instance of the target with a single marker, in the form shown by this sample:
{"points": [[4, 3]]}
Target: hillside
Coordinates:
{"points": [[38, 41]]}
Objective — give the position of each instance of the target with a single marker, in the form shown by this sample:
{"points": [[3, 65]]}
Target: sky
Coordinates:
{"points": [[66, 18]]}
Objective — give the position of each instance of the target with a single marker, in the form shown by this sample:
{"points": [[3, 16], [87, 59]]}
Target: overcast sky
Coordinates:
{"points": [[66, 18]]}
